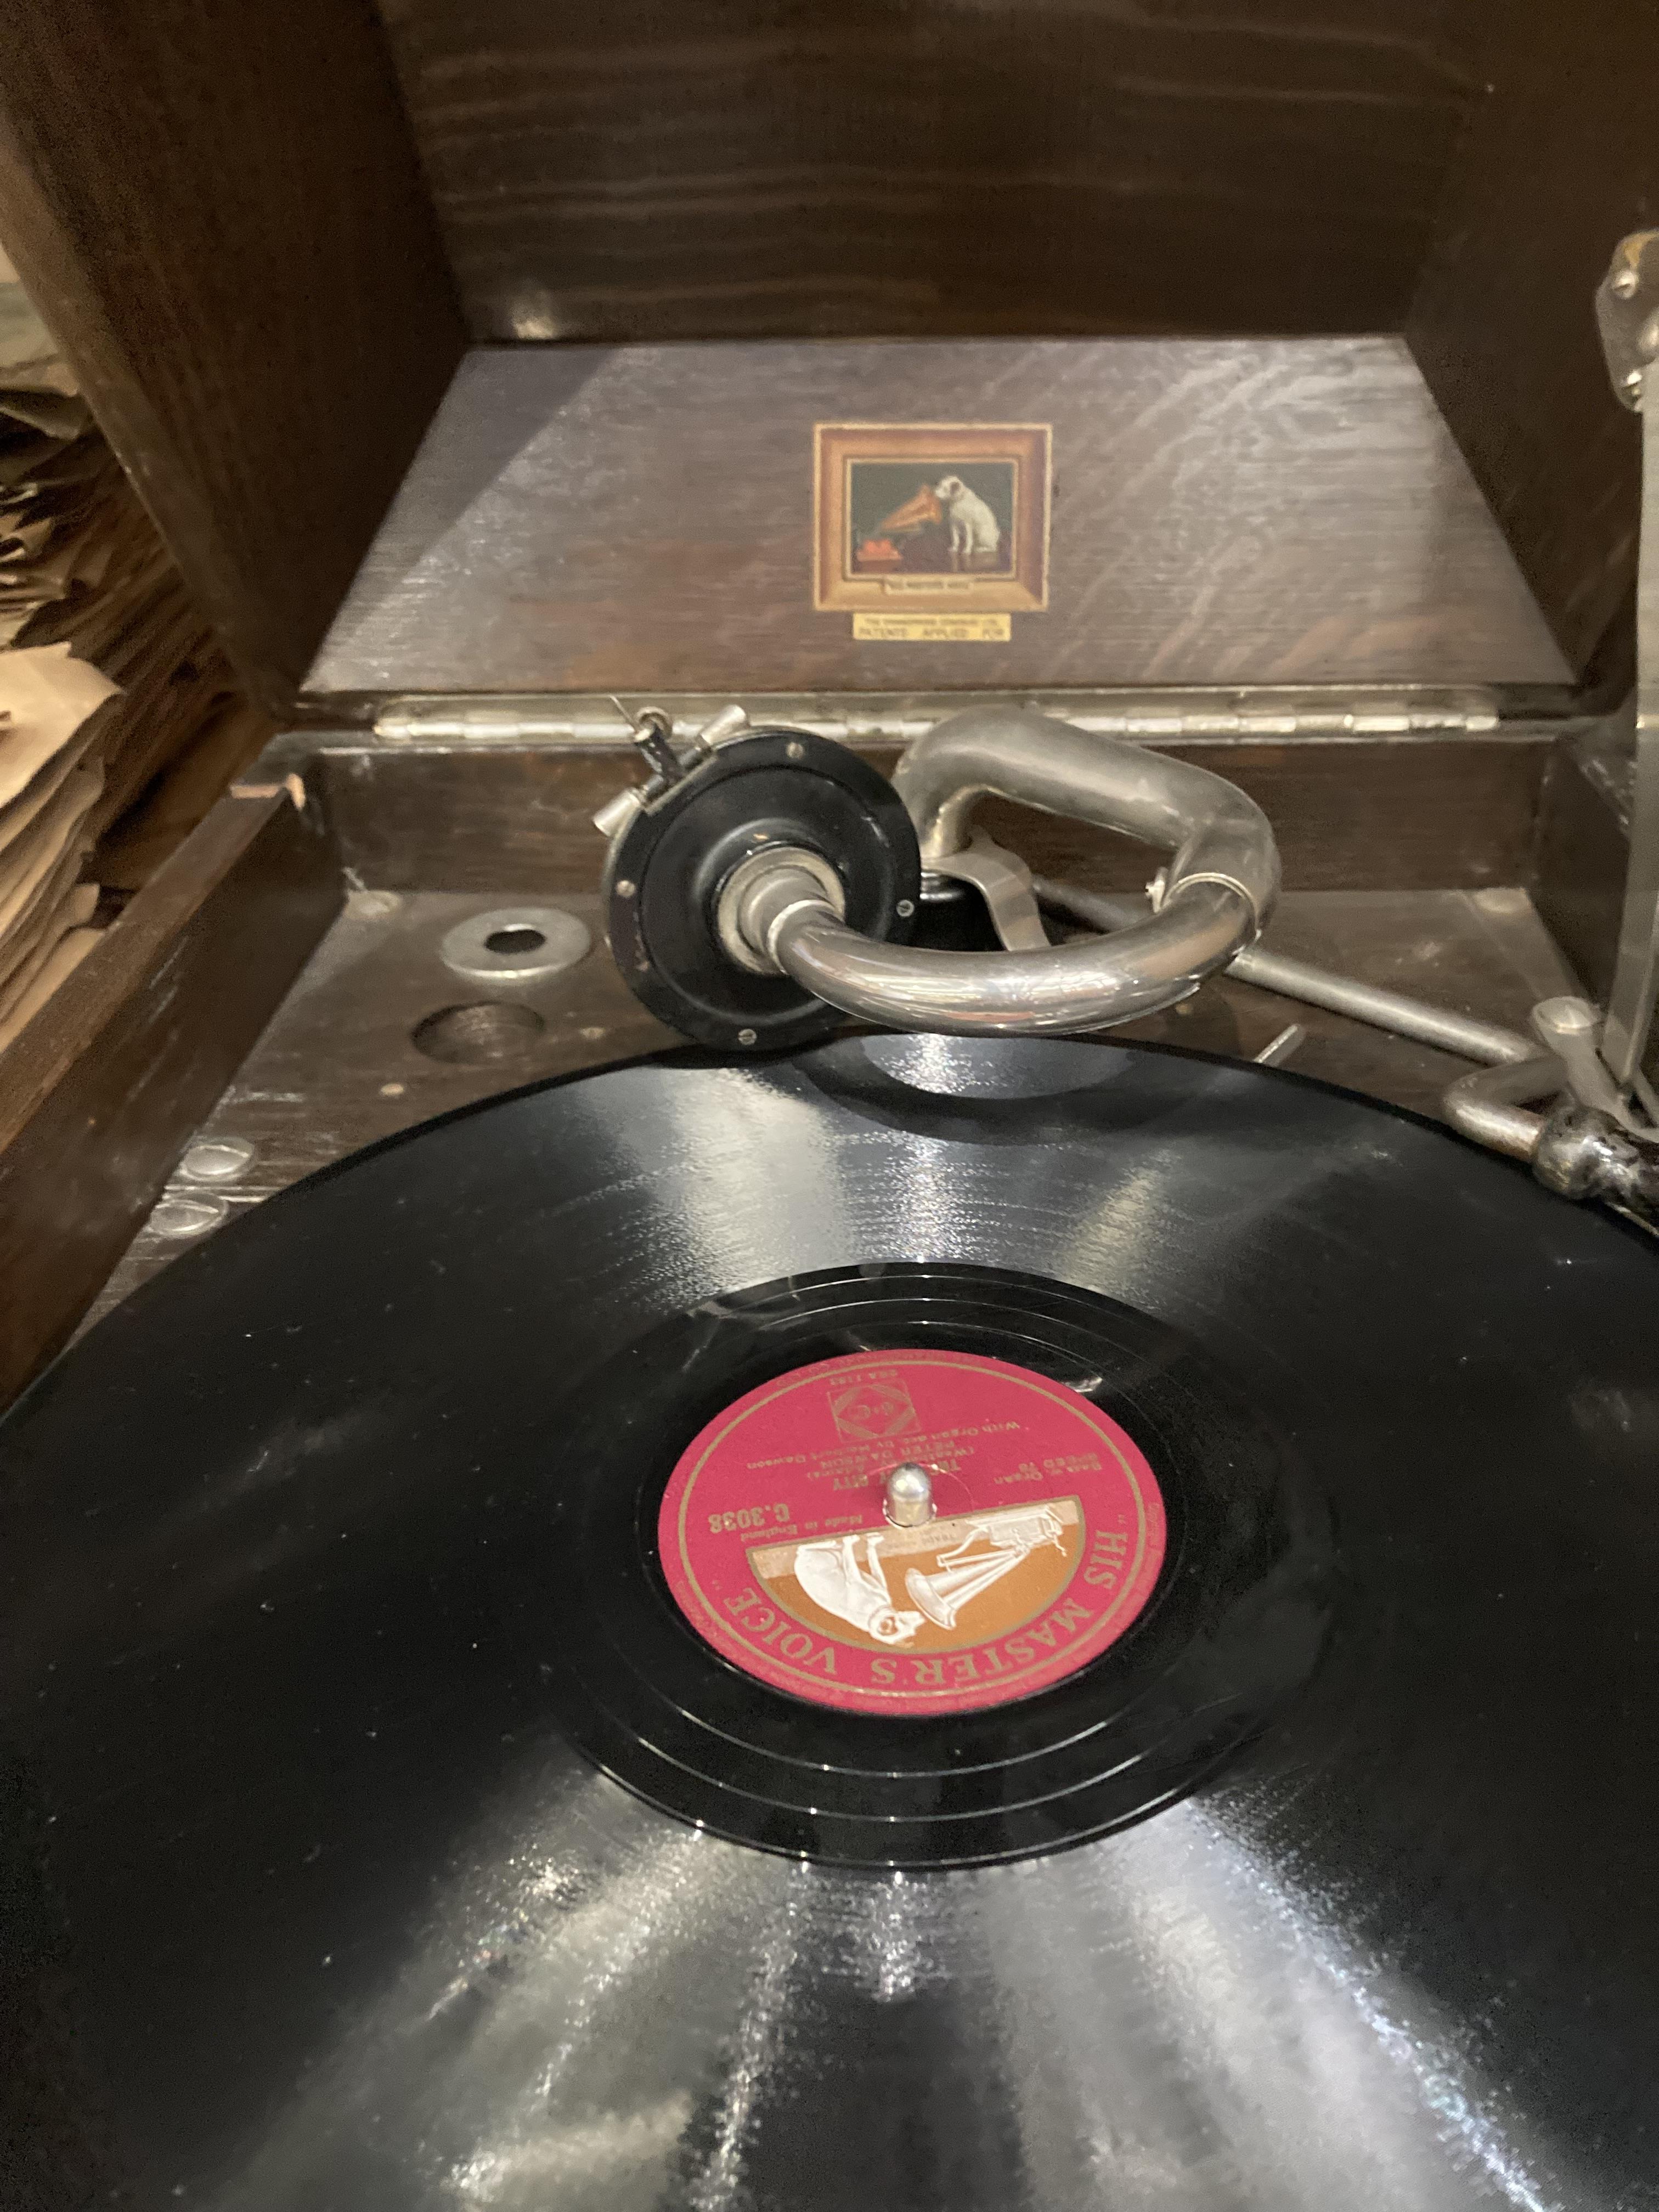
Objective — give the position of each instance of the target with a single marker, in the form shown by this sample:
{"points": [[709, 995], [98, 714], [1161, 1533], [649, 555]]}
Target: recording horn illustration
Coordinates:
{"points": [[962, 1573]]}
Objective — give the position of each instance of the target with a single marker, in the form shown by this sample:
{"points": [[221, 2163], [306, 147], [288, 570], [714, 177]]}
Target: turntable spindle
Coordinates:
{"points": [[910, 1496]]}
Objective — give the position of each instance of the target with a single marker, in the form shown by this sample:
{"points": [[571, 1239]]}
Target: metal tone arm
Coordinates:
{"points": [[1315, 986], [1627, 308], [1214, 832], [1217, 891], [1067, 989]]}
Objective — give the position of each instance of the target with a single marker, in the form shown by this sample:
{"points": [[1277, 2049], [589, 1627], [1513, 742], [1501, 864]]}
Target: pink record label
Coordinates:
{"points": [[1044, 1542]]}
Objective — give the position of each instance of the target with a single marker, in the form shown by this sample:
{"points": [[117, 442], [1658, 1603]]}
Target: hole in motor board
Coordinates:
{"points": [[478, 1035]]}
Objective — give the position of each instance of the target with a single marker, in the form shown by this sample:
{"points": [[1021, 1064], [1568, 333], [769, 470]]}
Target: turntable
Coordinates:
{"points": [[847, 1442]]}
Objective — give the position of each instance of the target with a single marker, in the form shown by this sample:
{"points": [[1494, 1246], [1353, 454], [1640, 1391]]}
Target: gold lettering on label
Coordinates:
{"points": [[932, 630], [1107, 1550]]}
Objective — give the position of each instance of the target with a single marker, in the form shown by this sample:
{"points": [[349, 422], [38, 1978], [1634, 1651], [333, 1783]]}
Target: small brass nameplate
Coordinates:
{"points": [[932, 630]]}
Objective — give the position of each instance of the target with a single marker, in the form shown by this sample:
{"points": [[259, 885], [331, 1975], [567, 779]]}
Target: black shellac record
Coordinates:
{"points": [[381, 1832]]}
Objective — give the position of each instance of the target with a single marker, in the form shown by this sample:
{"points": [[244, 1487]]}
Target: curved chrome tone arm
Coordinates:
{"points": [[1218, 890], [1068, 988], [1315, 986], [1214, 832]]}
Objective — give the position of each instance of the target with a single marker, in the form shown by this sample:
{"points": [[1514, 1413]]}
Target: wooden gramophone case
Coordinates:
{"points": [[478, 361]]}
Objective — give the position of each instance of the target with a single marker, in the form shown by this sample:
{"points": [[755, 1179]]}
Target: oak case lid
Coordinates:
{"points": [[265, 236], [591, 518]]}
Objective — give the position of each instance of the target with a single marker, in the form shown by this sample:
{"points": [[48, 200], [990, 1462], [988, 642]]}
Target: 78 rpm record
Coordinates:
{"points": [[480, 1728]]}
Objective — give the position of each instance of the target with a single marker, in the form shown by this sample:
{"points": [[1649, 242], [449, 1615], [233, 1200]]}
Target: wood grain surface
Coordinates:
{"points": [[217, 208], [101, 1093], [1558, 164], [697, 168], [586, 517], [1371, 814]]}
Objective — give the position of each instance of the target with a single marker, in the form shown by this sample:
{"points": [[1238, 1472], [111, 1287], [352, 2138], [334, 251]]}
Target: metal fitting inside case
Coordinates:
{"points": [[1582, 1153], [1219, 887], [761, 890]]}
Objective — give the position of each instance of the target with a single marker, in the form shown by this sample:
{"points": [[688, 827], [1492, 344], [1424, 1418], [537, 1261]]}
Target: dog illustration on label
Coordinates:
{"points": [[856, 1591], [832, 1577], [942, 516], [940, 528], [976, 534]]}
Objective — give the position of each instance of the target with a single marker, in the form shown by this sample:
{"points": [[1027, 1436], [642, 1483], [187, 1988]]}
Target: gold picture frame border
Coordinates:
{"points": [[1029, 445]]}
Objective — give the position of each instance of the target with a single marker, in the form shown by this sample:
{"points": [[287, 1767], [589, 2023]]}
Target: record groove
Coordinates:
{"points": [[1236, 1624], [311, 1897]]}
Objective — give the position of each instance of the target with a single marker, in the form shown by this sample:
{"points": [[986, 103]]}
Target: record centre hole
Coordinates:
{"points": [[477, 1035], [517, 937]]}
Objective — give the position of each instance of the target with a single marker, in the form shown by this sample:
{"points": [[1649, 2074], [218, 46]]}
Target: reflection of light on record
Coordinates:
{"points": [[377, 1828], [777, 1546]]}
